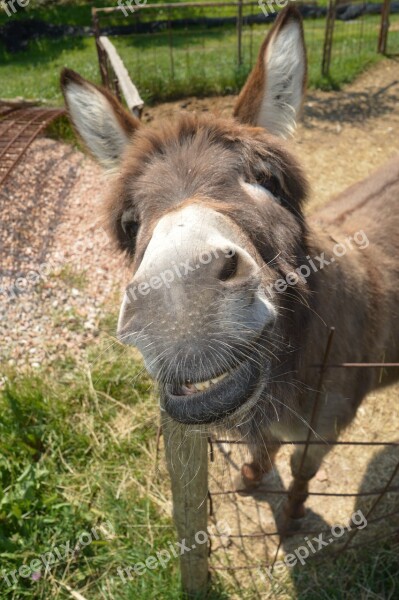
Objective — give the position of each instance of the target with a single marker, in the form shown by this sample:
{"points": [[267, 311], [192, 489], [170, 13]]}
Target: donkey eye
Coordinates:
{"points": [[272, 185], [130, 229]]}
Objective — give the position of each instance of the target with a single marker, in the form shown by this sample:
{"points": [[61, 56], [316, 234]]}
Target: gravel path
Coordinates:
{"points": [[57, 255], [58, 271]]}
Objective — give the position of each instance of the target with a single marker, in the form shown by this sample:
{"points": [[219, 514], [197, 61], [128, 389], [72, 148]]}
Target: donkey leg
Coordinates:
{"points": [[263, 456], [299, 489]]}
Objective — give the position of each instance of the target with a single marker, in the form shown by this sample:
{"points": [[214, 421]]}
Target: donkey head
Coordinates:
{"points": [[209, 213]]}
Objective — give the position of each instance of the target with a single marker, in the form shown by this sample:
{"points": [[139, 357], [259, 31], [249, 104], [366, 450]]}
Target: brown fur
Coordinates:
{"points": [[358, 280], [201, 159], [199, 148]]}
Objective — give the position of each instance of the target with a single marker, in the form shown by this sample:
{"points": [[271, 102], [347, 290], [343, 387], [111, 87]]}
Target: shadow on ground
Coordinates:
{"points": [[352, 106], [366, 556]]}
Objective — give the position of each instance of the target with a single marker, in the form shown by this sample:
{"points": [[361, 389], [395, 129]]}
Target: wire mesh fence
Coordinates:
{"points": [[194, 48], [353, 502], [392, 47], [356, 30], [181, 51], [258, 537]]}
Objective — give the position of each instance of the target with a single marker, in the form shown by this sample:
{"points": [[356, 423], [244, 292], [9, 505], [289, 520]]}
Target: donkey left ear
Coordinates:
{"points": [[273, 94], [104, 125]]}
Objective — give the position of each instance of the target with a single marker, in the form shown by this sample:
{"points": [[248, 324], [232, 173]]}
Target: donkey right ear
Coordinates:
{"points": [[98, 117], [273, 94]]}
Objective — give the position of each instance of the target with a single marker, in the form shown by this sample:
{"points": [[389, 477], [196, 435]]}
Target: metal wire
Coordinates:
{"points": [[279, 534]]}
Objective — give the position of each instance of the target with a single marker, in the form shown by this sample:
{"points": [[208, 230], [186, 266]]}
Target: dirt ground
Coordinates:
{"points": [[343, 137]]}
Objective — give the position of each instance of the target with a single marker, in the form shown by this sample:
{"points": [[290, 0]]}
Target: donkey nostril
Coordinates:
{"points": [[229, 268]]}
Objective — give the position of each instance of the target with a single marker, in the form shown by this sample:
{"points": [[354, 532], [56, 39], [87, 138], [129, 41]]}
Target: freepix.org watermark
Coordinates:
{"points": [[10, 6], [126, 6], [270, 10], [177, 271], [317, 263], [313, 265], [40, 274], [313, 545], [42, 564], [161, 558]]}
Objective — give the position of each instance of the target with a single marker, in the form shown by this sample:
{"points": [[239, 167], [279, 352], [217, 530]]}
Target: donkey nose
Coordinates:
{"points": [[172, 282], [230, 265], [217, 264], [227, 269], [209, 266]]}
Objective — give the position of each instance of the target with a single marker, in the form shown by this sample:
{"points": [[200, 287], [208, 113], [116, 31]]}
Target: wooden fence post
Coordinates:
{"points": [[100, 52], [187, 461], [383, 37], [122, 82], [328, 38], [239, 32]]}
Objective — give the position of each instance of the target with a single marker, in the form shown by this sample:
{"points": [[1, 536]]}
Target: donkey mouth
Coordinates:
{"points": [[212, 400]]}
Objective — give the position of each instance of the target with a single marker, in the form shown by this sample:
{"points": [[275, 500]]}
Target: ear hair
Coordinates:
{"points": [[98, 117], [273, 94]]}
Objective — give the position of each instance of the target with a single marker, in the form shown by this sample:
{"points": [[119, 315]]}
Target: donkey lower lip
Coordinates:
{"points": [[216, 402]]}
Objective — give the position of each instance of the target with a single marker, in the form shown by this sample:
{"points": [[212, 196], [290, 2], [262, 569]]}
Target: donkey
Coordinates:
{"points": [[233, 290]]}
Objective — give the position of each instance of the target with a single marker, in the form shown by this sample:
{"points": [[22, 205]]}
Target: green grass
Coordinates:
{"points": [[35, 74], [61, 129], [68, 463], [77, 449], [72, 277], [72, 12], [202, 63], [78, 12]]}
